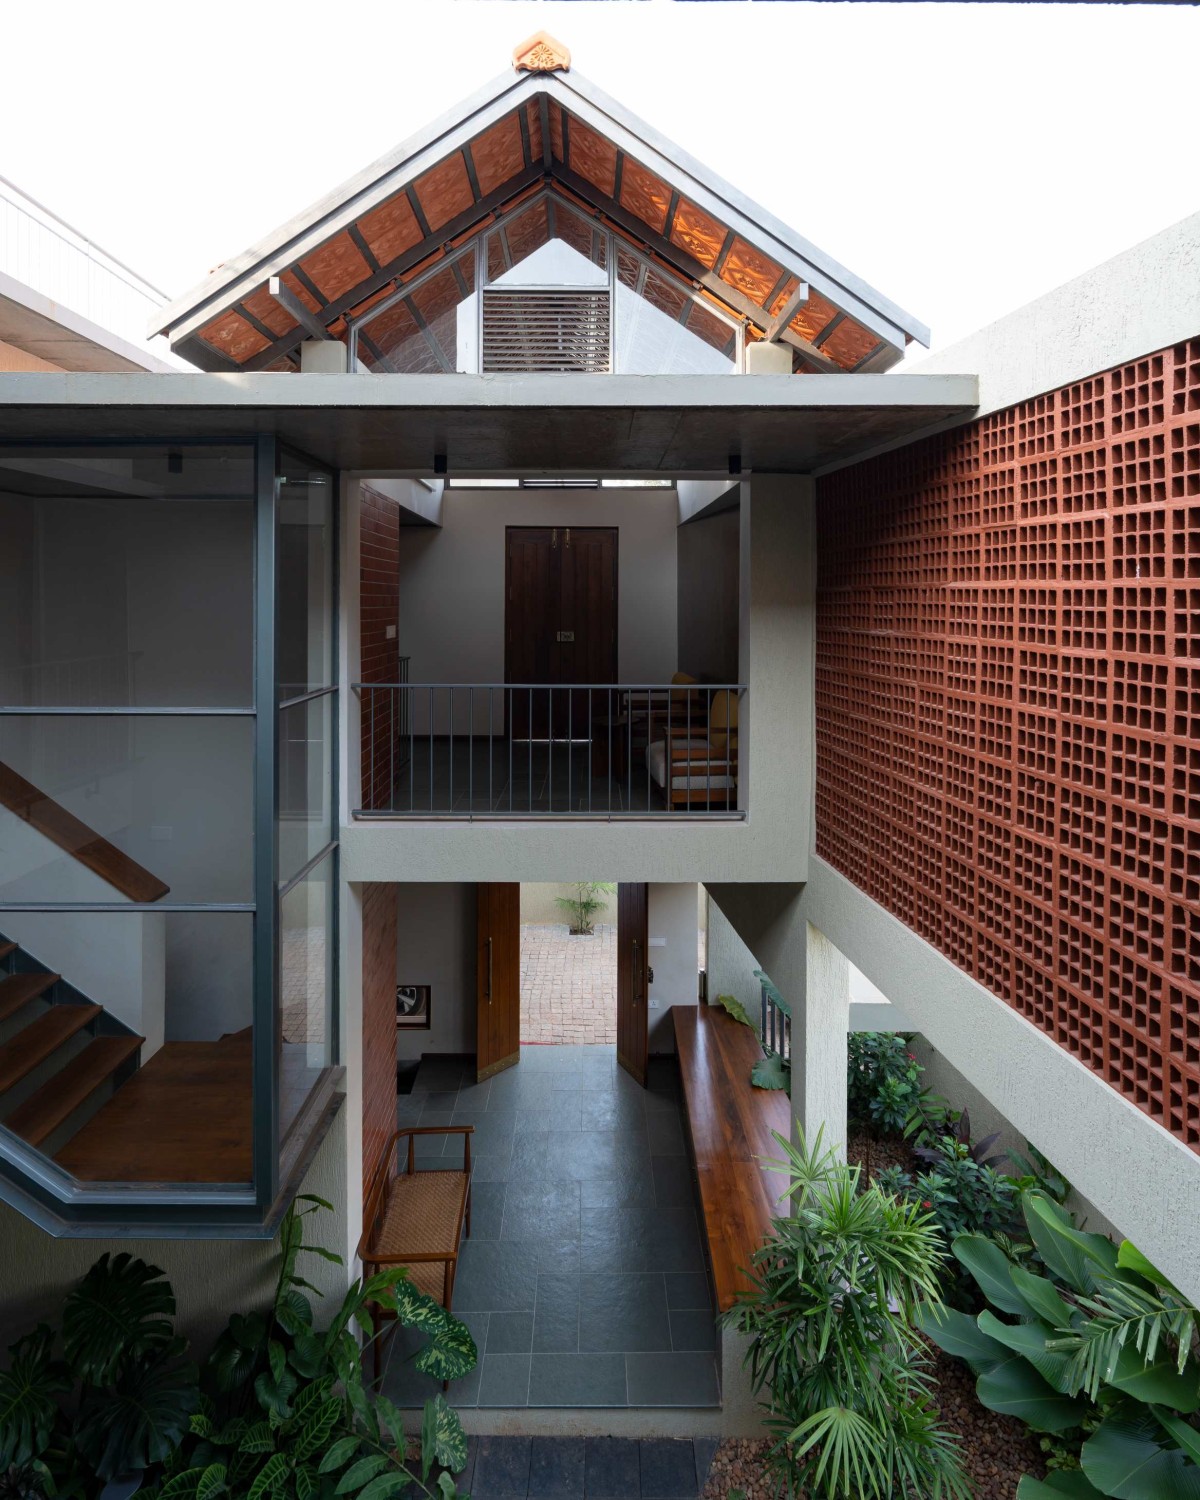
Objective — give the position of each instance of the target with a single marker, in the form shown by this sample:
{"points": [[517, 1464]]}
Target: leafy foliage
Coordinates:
{"points": [[119, 1396], [773, 1070], [736, 1009], [830, 1319], [279, 1411], [882, 1081], [1101, 1342], [582, 907]]}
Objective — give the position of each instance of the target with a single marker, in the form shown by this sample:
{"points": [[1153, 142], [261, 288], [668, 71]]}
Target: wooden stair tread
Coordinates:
{"points": [[17, 990], [184, 1117], [46, 1108], [77, 839], [34, 1043], [6, 948]]}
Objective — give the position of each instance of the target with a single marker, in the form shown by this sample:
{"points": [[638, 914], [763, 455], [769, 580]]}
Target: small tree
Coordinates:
{"points": [[582, 907]]}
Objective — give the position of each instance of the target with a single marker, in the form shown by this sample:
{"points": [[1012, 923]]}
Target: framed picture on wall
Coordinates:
{"points": [[412, 1007]]}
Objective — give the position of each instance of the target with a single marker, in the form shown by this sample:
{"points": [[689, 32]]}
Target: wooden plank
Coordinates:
{"points": [[184, 1117], [731, 1124], [46, 1109], [80, 842], [34, 1043], [19, 989], [7, 948]]}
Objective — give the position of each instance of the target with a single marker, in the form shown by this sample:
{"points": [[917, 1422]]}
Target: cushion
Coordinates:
{"points": [[693, 778]]}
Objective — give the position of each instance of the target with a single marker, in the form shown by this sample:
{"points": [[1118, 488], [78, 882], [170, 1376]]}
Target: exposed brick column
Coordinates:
{"points": [[379, 601], [378, 1021]]}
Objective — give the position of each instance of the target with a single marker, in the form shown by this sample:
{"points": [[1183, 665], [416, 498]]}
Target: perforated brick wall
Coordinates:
{"points": [[1008, 711], [379, 600], [379, 1022]]}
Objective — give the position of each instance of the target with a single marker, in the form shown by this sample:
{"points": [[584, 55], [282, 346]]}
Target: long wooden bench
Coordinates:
{"points": [[730, 1123]]}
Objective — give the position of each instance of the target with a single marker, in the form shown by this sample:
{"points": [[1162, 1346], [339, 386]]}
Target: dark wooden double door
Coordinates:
{"points": [[560, 627], [498, 979]]}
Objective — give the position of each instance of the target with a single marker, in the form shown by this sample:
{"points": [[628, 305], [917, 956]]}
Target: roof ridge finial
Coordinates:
{"points": [[541, 53]]}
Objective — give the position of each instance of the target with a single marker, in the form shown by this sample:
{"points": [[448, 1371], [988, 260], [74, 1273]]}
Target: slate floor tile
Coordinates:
{"points": [[512, 1333], [504, 1380], [556, 1467], [672, 1380], [668, 1467], [690, 1330], [612, 1468], [577, 1380], [501, 1468], [493, 1276], [623, 1312], [688, 1292], [556, 1314]]}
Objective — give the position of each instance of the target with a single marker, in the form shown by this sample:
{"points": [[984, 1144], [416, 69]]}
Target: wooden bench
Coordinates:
{"points": [[416, 1219], [730, 1122]]}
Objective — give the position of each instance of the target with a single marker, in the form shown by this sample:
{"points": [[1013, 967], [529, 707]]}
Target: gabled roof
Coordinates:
{"points": [[472, 168]]}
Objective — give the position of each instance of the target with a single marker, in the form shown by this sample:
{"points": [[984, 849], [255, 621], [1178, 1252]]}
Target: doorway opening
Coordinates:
{"points": [[569, 964]]}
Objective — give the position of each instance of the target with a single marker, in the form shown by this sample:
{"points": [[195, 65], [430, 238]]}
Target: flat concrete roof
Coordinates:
{"points": [[497, 424], [41, 326]]}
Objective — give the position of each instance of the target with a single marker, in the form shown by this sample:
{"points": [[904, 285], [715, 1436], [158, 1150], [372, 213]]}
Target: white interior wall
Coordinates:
{"points": [[673, 931], [451, 613], [435, 945]]}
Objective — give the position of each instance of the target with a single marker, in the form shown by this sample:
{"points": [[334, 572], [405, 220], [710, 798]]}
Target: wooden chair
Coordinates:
{"points": [[416, 1219], [697, 767]]}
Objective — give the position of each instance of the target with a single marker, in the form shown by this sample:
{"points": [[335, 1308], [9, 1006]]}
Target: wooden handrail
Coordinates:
{"points": [[82, 843]]}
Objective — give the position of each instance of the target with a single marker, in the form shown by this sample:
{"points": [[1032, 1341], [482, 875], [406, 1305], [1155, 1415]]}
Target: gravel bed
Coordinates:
{"points": [[874, 1155]]}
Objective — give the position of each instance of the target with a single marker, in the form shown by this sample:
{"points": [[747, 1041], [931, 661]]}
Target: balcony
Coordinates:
{"points": [[526, 750]]}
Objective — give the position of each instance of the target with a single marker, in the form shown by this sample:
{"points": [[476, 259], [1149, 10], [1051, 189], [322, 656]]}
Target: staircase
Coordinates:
{"points": [[62, 1057]]}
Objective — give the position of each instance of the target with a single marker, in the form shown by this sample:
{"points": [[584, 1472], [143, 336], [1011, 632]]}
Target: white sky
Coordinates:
{"points": [[962, 159]]}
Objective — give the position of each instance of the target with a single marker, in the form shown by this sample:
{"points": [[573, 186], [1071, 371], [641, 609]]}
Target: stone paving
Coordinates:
{"points": [[568, 985]]}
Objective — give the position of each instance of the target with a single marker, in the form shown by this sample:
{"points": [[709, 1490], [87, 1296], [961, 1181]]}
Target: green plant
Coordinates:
{"points": [[882, 1080], [110, 1394], [832, 1343], [1102, 1341], [286, 1414], [736, 1009], [773, 1070], [582, 907]]}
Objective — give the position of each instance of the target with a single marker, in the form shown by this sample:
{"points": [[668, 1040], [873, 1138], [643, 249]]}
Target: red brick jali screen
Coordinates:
{"points": [[1008, 711], [379, 585]]}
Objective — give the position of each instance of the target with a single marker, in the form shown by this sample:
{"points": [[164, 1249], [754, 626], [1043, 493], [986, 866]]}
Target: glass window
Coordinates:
{"points": [[665, 329], [306, 987], [304, 579], [172, 794], [422, 332], [305, 782]]}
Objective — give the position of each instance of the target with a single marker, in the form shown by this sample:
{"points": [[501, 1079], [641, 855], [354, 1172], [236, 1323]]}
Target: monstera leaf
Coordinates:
{"points": [[120, 1312], [140, 1421], [28, 1392]]}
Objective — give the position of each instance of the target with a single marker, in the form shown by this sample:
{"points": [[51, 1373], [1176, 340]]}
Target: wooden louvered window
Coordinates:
{"points": [[561, 330]]}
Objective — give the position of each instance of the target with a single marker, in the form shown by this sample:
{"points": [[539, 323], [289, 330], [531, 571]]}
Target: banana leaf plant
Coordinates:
{"points": [[1101, 1342]]}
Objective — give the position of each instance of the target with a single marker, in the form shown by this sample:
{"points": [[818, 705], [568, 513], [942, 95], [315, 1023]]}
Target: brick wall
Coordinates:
{"points": [[379, 583], [1008, 711], [379, 1022]]}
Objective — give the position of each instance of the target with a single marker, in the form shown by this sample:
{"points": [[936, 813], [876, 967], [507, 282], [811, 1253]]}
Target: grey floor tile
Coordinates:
{"points": [[668, 1467], [556, 1314], [705, 1448], [512, 1333], [407, 1386], [559, 1257], [491, 1166], [672, 1380], [577, 1380], [613, 1468], [493, 1277], [618, 1192], [640, 1239], [623, 1312], [688, 1292], [487, 1210], [501, 1468], [541, 1212], [691, 1330], [504, 1381], [665, 1133], [674, 1186], [556, 1467]]}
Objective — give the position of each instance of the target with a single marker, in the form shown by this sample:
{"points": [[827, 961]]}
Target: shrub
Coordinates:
{"points": [[883, 1080], [830, 1319], [1102, 1349], [582, 907]]}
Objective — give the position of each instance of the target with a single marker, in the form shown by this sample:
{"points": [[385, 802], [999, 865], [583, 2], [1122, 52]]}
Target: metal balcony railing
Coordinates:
{"points": [[586, 750]]}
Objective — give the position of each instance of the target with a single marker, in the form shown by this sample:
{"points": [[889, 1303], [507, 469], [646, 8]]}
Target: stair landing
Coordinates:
{"points": [[184, 1117]]}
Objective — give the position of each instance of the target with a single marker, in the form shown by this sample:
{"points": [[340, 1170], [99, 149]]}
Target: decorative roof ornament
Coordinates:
{"points": [[541, 53]]}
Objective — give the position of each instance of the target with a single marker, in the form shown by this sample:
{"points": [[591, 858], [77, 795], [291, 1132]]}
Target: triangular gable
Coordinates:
{"points": [[473, 168]]}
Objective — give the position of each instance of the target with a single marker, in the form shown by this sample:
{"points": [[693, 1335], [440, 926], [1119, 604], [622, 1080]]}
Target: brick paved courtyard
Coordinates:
{"points": [[568, 984]]}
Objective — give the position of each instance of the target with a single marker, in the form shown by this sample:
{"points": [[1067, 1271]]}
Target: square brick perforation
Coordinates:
{"points": [[1008, 706]]}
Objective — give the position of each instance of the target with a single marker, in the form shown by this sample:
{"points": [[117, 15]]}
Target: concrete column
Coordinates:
{"points": [[814, 978]]}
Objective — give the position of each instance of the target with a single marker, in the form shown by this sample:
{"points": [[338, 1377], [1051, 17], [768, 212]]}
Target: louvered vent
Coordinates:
{"points": [[546, 330]]}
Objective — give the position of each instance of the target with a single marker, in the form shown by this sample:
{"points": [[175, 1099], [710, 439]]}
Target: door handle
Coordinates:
{"points": [[489, 976], [637, 971]]}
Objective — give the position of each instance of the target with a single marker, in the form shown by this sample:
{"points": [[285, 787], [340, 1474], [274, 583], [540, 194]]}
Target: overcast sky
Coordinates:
{"points": [[961, 158]]}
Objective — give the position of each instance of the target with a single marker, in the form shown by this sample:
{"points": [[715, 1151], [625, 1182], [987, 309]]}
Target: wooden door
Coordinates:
{"points": [[633, 1034], [498, 979], [560, 624]]}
